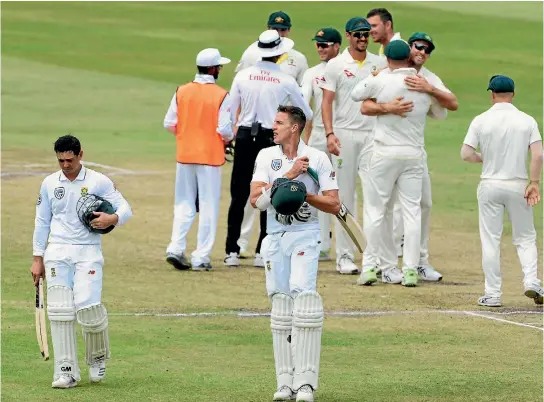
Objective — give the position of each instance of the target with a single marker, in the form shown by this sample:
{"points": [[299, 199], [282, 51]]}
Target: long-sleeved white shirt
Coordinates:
{"points": [[310, 89], [259, 90], [224, 124], [56, 209]]}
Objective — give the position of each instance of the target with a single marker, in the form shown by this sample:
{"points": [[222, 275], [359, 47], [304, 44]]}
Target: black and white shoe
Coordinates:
{"points": [[178, 261]]}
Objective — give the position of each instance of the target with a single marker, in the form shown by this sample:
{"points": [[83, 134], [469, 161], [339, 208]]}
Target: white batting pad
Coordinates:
{"points": [[94, 325], [307, 328], [281, 320], [62, 316]]}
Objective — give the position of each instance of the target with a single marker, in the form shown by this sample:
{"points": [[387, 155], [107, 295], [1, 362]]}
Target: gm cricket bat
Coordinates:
{"points": [[41, 328], [346, 219]]}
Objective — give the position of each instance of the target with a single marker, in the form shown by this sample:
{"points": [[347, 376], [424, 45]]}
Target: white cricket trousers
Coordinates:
{"points": [[426, 205], [346, 166], [494, 197], [189, 178], [318, 141], [385, 177], [247, 226]]}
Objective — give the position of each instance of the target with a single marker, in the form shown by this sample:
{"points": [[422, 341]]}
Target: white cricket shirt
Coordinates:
{"points": [[503, 133], [310, 89], [293, 62], [271, 163], [259, 90], [224, 124], [395, 136], [341, 75], [56, 214]]}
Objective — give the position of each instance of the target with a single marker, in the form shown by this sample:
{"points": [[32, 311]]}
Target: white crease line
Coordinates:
{"points": [[471, 313]]}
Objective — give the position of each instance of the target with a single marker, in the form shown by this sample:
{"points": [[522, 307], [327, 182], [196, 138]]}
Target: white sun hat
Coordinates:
{"points": [[210, 57], [271, 44]]}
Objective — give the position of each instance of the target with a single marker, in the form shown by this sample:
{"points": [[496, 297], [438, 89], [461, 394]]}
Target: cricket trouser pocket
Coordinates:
{"points": [[291, 261]]}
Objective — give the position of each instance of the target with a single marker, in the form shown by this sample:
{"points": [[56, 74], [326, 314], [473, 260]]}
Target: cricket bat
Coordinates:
{"points": [[346, 219], [41, 328]]}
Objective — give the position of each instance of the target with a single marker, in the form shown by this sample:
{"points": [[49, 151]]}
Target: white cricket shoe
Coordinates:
{"points": [[232, 260], [426, 272], [392, 275], [284, 393], [346, 266], [536, 293], [258, 261], [489, 301], [305, 394], [64, 381], [97, 371]]}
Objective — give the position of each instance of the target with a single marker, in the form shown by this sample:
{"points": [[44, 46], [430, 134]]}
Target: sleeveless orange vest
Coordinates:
{"points": [[197, 139]]}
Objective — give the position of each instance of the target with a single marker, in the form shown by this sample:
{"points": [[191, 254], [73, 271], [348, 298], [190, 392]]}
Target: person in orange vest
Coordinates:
{"points": [[199, 117]]}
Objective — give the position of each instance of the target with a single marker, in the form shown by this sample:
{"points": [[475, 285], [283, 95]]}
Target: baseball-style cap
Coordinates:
{"points": [[422, 36], [288, 197], [501, 84], [397, 50], [210, 57], [357, 24], [279, 20], [328, 35]]}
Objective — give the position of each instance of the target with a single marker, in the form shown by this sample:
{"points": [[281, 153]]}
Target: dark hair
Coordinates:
{"points": [[272, 59], [204, 70], [383, 13], [67, 143], [296, 115]]}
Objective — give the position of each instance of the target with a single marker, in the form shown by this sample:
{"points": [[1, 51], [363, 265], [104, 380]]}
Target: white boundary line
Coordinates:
{"points": [[114, 171], [471, 313]]}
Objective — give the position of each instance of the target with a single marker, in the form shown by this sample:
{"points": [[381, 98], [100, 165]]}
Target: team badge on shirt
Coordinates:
{"points": [[59, 193], [39, 199], [84, 191], [53, 273], [276, 164]]}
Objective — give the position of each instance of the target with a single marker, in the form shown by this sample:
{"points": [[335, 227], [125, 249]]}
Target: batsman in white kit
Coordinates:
{"points": [[504, 134], [75, 206], [282, 187]]}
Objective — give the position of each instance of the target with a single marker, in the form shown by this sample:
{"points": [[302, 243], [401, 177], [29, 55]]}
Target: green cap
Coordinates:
{"points": [[397, 50], [357, 24], [501, 84], [279, 20], [328, 35], [289, 197], [421, 36]]}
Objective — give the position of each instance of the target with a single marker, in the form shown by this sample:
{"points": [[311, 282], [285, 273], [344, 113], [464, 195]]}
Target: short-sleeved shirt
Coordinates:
{"points": [[341, 75], [271, 163], [503, 133]]}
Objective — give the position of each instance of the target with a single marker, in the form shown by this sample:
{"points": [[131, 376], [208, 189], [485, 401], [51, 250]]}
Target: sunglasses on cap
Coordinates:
{"points": [[324, 45], [420, 46], [360, 34]]}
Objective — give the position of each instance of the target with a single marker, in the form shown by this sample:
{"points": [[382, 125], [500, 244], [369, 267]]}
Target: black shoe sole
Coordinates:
{"points": [[176, 264]]}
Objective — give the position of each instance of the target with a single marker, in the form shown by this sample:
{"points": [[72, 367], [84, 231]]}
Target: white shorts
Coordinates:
{"points": [[78, 267], [291, 260]]}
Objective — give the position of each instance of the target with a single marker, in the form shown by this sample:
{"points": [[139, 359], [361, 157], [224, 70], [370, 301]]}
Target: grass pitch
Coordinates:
{"points": [[106, 73]]}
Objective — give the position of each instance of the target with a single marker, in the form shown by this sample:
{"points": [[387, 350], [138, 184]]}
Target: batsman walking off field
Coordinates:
{"points": [[67, 251], [281, 187], [504, 134]]}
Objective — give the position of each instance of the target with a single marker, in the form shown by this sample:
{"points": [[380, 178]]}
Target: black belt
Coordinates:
{"points": [[256, 130]]}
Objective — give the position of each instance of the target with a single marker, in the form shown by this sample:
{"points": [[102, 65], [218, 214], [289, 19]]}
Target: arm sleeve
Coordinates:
{"points": [[224, 125], [436, 111], [260, 170], [306, 87], [303, 69], [326, 174], [472, 137], [366, 89], [234, 99], [42, 222], [298, 100], [171, 117], [535, 134], [330, 76], [122, 207]]}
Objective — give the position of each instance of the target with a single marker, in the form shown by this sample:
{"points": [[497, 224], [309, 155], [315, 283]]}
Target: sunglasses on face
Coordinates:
{"points": [[324, 45], [360, 34], [420, 47]]}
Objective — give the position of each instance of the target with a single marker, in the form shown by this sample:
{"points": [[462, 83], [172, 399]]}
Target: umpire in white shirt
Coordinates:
{"points": [[258, 91]]}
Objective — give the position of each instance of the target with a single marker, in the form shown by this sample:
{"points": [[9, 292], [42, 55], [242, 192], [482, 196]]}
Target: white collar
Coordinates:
{"points": [[81, 175], [300, 149], [503, 106], [204, 79]]}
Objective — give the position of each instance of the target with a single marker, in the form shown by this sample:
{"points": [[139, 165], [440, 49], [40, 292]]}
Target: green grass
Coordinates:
{"points": [[106, 72]]}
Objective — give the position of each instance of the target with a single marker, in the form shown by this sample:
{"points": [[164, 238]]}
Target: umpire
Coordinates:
{"points": [[258, 91]]}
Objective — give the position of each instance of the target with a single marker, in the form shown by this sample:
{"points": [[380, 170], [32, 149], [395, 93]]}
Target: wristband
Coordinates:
{"points": [[331, 133]]}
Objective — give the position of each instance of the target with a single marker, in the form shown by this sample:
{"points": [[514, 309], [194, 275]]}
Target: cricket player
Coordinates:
{"points": [[382, 32], [421, 47], [348, 133], [504, 134], [291, 199], [396, 164], [199, 117], [69, 255], [327, 41]]}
